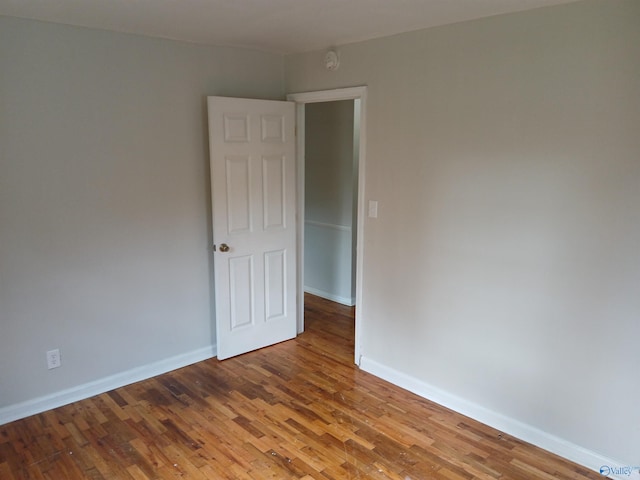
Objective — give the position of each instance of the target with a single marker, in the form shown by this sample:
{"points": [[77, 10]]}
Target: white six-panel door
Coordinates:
{"points": [[252, 154]]}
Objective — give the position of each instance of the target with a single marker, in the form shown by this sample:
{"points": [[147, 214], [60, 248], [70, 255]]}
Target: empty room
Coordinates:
{"points": [[170, 239]]}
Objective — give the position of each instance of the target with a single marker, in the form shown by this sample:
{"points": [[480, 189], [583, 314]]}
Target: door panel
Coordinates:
{"points": [[273, 180], [252, 153], [275, 291], [241, 291], [238, 173]]}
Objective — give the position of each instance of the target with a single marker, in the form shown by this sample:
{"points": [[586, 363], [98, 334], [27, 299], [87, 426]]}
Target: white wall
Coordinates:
{"points": [[105, 226], [329, 186], [504, 269]]}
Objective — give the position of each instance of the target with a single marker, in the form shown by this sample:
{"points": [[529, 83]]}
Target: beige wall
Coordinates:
{"points": [[105, 224], [504, 267]]}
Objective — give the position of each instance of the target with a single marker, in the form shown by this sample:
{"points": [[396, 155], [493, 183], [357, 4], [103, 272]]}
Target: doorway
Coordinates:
{"points": [[357, 98], [330, 216]]}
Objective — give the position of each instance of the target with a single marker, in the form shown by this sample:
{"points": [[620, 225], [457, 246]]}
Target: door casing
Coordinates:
{"points": [[301, 99]]}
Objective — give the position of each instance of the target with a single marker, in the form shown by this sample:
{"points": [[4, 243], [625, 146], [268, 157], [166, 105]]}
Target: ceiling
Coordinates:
{"points": [[282, 26]]}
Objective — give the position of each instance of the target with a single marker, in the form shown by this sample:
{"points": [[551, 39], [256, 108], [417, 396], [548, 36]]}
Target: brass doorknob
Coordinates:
{"points": [[224, 247]]}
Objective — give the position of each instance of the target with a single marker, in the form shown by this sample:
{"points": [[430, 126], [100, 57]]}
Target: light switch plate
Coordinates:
{"points": [[373, 209]]}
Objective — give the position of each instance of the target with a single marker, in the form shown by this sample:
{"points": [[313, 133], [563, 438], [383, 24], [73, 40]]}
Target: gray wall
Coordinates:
{"points": [[504, 267], [104, 199], [329, 186]]}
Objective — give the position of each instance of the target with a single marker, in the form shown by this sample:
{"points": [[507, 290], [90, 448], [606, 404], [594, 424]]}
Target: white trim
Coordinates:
{"points": [[349, 302], [343, 228], [351, 93], [96, 387], [300, 172], [515, 428]]}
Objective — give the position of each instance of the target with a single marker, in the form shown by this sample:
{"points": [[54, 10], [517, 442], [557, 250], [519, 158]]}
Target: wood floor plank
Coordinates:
{"points": [[297, 410], [5, 471]]}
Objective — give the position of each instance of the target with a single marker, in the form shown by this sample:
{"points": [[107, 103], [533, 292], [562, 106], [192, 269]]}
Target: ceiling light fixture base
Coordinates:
{"points": [[331, 60]]}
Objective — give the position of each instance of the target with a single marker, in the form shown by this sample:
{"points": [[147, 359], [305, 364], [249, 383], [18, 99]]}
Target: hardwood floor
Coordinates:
{"points": [[297, 410]]}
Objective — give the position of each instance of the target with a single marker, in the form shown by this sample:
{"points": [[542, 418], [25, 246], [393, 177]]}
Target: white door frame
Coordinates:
{"points": [[301, 99]]}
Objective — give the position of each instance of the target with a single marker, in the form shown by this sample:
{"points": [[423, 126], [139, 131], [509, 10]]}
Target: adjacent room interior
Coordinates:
{"points": [[331, 199]]}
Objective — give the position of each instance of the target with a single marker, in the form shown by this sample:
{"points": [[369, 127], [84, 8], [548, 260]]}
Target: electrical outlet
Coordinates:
{"points": [[53, 359]]}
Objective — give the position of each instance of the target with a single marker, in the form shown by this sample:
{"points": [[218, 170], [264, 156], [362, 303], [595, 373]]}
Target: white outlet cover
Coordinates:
{"points": [[53, 359]]}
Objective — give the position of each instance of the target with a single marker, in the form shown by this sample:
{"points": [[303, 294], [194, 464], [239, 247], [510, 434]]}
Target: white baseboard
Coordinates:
{"points": [[64, 397], [544, 440], [348, 301]]}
